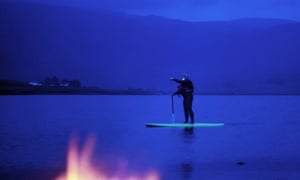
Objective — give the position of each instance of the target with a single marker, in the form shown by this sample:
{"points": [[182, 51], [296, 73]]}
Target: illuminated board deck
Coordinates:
{"points": [[184, 125]]}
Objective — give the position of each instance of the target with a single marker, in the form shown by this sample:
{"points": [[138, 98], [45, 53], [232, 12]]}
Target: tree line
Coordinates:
{"points": [[55, 82]]}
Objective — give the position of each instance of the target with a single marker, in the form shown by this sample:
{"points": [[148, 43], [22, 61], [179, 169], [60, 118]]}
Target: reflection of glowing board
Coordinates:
{"points": [[183, 125]]}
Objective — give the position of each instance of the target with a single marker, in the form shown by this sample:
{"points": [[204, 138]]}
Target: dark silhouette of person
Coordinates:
{"points": [[186, 89]]}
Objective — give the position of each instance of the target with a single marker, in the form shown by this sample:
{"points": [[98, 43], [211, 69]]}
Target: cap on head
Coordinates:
{"points": [[185, 76]]}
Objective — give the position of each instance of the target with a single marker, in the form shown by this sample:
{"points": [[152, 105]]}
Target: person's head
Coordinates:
{"points": [[185, 77]]}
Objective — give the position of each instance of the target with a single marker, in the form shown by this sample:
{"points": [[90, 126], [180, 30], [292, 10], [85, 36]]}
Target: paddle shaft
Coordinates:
{"points": [[173, 116]]}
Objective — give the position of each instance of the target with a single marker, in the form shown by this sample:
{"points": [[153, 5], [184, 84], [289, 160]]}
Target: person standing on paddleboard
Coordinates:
{"points": [[186, 89]]}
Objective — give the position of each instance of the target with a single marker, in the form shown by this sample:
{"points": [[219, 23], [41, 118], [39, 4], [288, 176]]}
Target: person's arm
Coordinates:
{"points": [[179, 91], [176, 80]]}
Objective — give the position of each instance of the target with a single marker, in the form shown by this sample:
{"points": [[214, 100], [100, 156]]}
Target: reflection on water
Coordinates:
{"points": [[187, 165], [188, 135], [188, 132], [187, 170]]}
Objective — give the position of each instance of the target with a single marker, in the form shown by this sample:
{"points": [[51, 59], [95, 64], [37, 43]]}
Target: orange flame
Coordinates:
{"points": [[79, 166]]}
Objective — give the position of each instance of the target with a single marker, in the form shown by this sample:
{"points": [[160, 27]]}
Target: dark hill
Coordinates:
{"points": [[124, 51]]}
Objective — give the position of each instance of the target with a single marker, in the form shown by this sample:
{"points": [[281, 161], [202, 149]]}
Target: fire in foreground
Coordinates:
{"points": [[80, 167]]}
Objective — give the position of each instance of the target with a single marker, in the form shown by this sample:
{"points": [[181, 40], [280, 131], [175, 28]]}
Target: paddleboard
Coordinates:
{"points": [[184, 125]]}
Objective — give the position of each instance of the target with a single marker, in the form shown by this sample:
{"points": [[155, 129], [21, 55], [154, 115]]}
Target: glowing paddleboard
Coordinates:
{"points": [[184, 125]]}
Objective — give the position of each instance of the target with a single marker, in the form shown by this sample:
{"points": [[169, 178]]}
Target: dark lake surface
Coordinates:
{"points": [[260, 139]]}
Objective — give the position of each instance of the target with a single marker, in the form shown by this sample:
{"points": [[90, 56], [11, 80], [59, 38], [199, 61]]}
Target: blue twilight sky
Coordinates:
{"points": [[120, 51], [193, 10]]}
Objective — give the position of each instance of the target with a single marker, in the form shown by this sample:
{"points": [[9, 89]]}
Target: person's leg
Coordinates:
{"points": [[192, 116], [186, 110], [189, 108]]}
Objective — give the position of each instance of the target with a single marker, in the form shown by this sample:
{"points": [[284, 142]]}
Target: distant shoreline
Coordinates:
{"points": [[17, 92], [8, 87], [12, 87], [75, 92]]}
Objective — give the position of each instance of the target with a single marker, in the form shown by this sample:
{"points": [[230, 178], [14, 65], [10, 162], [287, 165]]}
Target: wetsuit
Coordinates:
{"points": [[186, 89]]}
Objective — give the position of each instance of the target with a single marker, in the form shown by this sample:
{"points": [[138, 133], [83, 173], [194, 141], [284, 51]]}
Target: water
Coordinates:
{"points": [[260, 139]]}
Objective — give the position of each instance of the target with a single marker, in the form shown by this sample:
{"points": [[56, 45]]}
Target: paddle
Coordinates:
{"points": [[173, 115]]}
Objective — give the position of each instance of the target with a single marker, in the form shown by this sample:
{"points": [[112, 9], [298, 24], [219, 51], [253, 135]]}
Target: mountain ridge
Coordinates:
{"points": [[121, 51]]}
